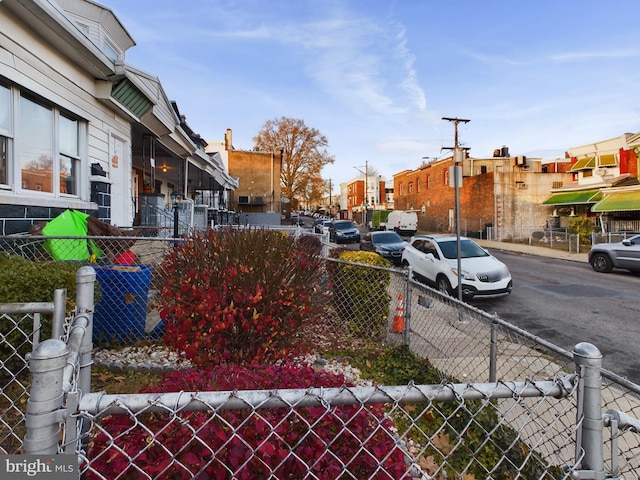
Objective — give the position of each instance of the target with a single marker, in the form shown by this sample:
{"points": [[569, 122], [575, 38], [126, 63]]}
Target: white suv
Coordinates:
{"points": [[433, 259]]}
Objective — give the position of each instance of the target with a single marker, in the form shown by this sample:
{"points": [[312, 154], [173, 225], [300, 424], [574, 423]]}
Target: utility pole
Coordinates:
{"points": [[366, 187], [330, 202], [458, 157]]}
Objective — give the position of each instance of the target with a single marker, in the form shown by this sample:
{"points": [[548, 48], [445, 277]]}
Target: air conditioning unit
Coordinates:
{"points": [[243, 200]]}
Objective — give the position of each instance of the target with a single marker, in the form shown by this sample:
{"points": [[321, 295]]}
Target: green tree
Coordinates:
{"points": [[304, 154], [583, 226]]}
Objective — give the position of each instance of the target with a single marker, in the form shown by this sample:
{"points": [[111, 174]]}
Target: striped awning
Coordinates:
{"points": [[587, 163], [574, 198], [618, 202]]}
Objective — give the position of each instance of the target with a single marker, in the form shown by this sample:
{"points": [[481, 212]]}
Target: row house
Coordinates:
{"points": [[500, 196], [362, 196], [82, 129], [604, 184]]}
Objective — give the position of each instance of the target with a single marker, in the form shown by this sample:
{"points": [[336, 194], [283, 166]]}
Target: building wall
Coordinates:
{"points": [[31, 64], [257, 173], [510, 200]]}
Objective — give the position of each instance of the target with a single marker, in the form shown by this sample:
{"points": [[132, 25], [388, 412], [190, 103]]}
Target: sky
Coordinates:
{"points": [[377, 77]]}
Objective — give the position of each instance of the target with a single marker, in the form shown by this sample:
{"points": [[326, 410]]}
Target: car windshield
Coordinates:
{"points": [[468, 249], [343, 225], [387, 237]]}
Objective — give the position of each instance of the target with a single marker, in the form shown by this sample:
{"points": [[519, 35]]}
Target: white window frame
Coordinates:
{"points": [[14, 165]]}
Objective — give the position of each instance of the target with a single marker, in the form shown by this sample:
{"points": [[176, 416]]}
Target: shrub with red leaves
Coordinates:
{"points": [[239, 295], [318, 442]]}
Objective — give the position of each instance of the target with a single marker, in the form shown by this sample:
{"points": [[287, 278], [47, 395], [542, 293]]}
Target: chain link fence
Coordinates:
{"points": [[508, 404]]}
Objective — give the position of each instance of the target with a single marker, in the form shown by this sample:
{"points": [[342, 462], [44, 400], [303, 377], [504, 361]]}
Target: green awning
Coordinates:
{"points": [[574, 198], [607, 161], [618, 202], [588, 163], [131, 97]]}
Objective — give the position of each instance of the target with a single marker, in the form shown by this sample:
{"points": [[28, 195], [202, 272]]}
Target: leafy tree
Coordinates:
{"points": [[303, 157]]}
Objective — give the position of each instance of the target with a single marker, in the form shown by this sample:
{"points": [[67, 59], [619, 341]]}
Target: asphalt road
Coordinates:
{"points": [[566, 302]]}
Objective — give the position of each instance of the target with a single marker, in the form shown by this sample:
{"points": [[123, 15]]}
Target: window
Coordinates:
{"points": [[40, 146], [410, 187], [446, 176], [5, 133], [69, 155], [428, 182], [36, 146]]}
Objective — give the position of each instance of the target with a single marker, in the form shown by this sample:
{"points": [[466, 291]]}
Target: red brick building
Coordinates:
{"points": [[503, 192]]}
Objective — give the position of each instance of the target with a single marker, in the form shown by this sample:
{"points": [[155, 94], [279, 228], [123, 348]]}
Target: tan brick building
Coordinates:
{"points": [[259, 189]]}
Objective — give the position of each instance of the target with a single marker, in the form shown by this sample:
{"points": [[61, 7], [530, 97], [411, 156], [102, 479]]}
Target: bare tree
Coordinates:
{"points": [[303, 156]]}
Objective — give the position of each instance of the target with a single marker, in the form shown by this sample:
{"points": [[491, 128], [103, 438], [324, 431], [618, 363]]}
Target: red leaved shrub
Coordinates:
{"points": [[282, 443], [239, 295]]}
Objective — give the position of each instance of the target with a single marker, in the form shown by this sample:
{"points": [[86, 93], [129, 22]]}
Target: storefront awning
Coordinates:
{"points": [[574, 198], [618, 202], [588, 163]]}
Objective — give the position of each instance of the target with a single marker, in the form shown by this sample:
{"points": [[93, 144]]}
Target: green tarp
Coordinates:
{"points": [[69, 223]]}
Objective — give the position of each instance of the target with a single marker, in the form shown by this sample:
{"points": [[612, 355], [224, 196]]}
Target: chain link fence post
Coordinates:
{"points": [[589, 441], [43, 417], [407, 312], [85, 282], [59, 312]]}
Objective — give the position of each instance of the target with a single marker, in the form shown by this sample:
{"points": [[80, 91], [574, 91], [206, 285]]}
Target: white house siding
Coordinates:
{"points": [[30, 63]]}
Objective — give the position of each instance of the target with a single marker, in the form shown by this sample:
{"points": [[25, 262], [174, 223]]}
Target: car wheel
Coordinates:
{"points": [[468, 293], [443, 285], [601, 263]]}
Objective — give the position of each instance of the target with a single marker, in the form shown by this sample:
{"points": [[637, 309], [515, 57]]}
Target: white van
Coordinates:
{"points": [[405, 223]]}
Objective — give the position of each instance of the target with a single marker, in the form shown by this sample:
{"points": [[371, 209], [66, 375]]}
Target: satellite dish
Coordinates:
{"points": [[285, 200]]}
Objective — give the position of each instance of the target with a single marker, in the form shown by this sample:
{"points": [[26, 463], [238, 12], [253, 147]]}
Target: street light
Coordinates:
{"points": [[174, 202]]}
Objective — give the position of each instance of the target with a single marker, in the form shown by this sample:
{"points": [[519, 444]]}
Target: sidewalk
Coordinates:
{"points": [[535, 250]]}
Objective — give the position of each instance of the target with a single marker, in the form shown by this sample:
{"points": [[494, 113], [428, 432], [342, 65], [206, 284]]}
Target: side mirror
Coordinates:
{"points": [[626, 242]]}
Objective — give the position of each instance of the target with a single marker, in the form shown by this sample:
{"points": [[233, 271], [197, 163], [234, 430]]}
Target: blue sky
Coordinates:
{"points": [[376, 77]]}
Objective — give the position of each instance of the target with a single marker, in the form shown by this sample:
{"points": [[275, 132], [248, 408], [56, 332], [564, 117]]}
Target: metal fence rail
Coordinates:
{"points": [[536, 408], [395, 440], [20, 329]]}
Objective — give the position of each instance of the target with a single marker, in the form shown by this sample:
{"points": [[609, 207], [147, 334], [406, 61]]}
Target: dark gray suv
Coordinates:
{"points": [[604, 257], [343, 231]]}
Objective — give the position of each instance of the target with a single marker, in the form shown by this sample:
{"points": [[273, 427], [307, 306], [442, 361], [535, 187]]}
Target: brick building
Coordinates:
{"points": [[258, 196], [501, 195]]}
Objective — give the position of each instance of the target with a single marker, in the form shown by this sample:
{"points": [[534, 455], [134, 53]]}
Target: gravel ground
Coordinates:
{"points": [[159, 359]]}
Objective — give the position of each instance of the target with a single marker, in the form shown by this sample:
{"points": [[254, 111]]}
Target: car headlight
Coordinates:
{"points": [[465, 275]]}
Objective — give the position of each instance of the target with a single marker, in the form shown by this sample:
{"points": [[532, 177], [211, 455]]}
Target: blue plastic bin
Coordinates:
{"points": [[121, 313]]}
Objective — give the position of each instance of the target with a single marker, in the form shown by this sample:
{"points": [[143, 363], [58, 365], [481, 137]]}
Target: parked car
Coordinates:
{"points": [[386, 244], [321, 225], [343, 231], [434, 260], [604, 257]]}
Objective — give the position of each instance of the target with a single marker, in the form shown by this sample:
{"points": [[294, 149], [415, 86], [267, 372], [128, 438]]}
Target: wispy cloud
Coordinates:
{"points": [[588, 55]]}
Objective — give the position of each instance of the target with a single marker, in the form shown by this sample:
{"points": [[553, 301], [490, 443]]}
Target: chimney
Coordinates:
{"points": [[228, 144]]}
